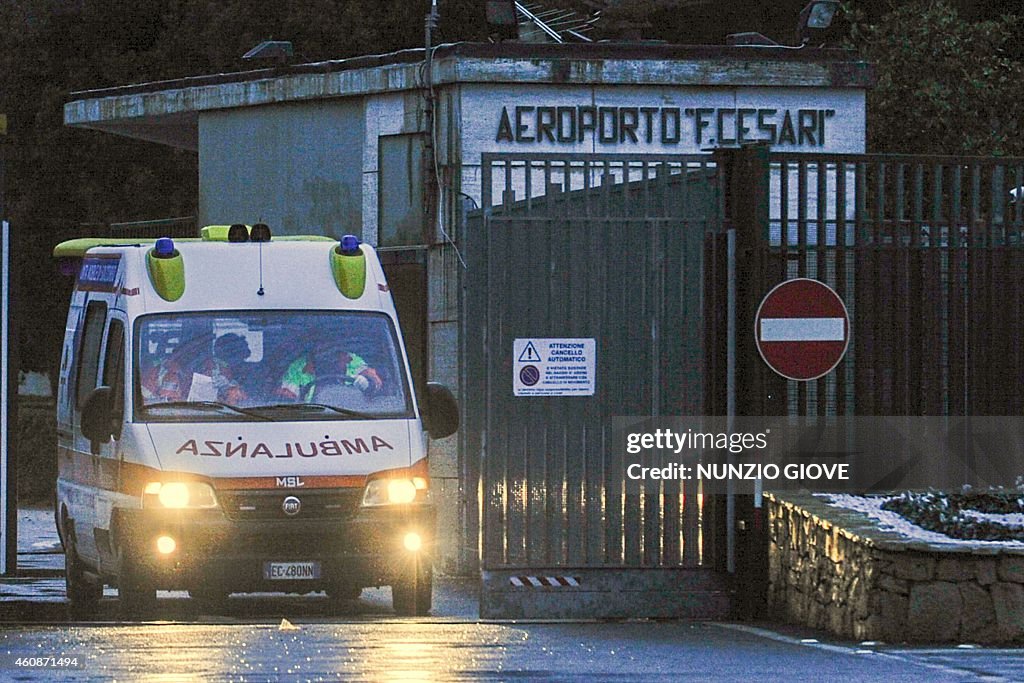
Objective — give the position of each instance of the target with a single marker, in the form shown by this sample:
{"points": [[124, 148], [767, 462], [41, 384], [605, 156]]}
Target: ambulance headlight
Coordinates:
{"points": [[392, 491], [178, 495]]}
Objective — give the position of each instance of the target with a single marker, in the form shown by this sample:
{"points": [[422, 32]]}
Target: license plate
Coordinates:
{"points": [[291, 571]]}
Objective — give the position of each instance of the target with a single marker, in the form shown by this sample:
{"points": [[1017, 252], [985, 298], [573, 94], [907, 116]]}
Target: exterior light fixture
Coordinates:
{"points": [[260, 232], [815, 18], [413, 542], [349, 245], [164, 248], [238, 233], [165, 545]]}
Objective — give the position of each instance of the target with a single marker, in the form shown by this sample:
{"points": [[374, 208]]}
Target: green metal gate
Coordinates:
{"points": [[663, 261], [614, 249]]}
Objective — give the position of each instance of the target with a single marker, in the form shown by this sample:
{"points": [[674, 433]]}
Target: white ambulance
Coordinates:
{"points": [[236, 414]]}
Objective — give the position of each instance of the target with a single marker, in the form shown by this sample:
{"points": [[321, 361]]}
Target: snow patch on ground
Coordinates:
{"points": [[892, 521], [1014, 519]]}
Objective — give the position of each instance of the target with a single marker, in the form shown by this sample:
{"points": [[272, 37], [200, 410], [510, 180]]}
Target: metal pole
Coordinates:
{"points": [[750, 189], [6, 566], [746, 186], [3, 169], [730, 400], [429, 151], [8, 383]]}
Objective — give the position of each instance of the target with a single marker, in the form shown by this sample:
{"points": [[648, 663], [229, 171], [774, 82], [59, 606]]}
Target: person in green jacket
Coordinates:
{"points": [[299, 382]]}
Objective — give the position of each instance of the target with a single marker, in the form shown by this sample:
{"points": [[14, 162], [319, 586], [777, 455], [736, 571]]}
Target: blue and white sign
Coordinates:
{"points": [[554, 367]]}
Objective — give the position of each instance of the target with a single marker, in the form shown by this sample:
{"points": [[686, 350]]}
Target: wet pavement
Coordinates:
{"points": [[385, 648], [271, 637], [39, 549]]}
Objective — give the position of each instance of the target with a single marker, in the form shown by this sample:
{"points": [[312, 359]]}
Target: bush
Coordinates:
{"points": [[949, 513]]}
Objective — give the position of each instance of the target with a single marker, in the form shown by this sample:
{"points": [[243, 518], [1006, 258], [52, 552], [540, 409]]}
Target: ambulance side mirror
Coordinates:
{"points": [[442, 411], [96, 415]]}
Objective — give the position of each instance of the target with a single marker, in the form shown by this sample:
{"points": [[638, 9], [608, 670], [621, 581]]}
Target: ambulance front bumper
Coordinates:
{"points": [[214, 552]]}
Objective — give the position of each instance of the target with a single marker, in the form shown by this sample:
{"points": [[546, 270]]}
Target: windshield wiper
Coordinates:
{"points": [[347, 412], [208, 405]]}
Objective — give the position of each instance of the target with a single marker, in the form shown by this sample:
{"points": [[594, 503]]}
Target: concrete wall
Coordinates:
{"points": [[385, 114], [296, 167], [833, 569]]}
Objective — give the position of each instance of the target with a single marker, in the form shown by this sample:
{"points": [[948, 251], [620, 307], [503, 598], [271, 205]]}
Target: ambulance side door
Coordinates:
{"points": [[66, 459], [112, 374], [85, 480]]}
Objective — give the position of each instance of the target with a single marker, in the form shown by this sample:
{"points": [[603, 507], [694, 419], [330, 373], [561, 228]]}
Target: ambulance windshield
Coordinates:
{"points": [[268, 365]]}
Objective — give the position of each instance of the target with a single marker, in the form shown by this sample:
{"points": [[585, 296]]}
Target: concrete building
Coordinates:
{"points": [[346, 146]]}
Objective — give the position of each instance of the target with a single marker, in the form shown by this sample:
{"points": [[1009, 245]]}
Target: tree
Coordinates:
{"points": [[692, 22], [946, 85], [60, 179]]}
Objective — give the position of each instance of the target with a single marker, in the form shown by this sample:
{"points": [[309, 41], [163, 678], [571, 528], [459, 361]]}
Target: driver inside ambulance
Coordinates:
{"points": [[226, 367], [300, 379]]}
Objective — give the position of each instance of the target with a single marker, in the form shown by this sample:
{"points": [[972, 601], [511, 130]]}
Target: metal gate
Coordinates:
{"points": [[927, 253], [663, 260], [612, 248]]}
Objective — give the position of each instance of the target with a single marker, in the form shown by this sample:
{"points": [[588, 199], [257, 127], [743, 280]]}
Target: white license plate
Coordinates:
{"points": [[291, 571]]}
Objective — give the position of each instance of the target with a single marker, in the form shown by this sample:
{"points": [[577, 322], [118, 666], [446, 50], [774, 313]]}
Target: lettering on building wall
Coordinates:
{"points": [[663, 125]]}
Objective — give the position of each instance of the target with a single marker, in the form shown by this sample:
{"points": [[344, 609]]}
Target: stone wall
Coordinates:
{"points": [[833, 569]]}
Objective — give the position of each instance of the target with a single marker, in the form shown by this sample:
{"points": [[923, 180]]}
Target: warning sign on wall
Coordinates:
{"points": [[553, 367]]}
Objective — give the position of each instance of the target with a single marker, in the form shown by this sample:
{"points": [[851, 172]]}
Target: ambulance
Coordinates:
{"points": [[236, 413]]}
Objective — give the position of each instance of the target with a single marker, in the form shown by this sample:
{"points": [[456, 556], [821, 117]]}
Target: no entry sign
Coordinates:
{"points": [[802, 329]]}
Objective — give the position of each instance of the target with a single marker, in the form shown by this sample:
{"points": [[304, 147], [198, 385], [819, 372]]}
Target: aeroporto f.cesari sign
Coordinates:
{"points": [[665, 125]]}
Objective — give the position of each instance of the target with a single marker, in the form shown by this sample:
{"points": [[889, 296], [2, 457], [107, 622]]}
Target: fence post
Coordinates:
{"points": [[8, 408], [748, 199], [746, 187]]}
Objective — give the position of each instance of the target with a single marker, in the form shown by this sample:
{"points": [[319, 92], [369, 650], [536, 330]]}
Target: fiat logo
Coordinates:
{"points": [[291, 506]]}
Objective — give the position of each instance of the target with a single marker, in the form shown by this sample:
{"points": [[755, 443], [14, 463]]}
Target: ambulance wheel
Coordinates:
{"points": [[411, 596], [83, 594], [136, 593]]}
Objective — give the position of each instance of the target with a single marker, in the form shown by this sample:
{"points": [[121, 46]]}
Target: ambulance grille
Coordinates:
{"points": [[315, 503]]}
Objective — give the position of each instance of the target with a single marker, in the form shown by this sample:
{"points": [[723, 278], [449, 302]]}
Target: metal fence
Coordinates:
{"points": [[184, 226], [663, 260], [927, 253]]}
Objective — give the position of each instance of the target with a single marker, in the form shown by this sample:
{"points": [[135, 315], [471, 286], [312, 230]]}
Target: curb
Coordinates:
{"points": [[32, 611]]}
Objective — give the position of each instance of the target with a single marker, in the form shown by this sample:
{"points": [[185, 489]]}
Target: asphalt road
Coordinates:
{"points": [[433, 650], [363, 640], [249, 640]]}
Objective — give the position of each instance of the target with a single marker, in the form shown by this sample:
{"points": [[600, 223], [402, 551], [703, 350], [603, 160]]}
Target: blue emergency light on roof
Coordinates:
{"points": [[166, 269], [348, 264], [164, 248], [349, 245], [238, 233]]}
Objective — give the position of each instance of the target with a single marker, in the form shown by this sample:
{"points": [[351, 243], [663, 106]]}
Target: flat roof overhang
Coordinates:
{"points": [[167, 112]]}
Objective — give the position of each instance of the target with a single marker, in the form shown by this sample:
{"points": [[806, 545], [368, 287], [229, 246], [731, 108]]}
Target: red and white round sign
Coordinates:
{"points": [[802, 329]]}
